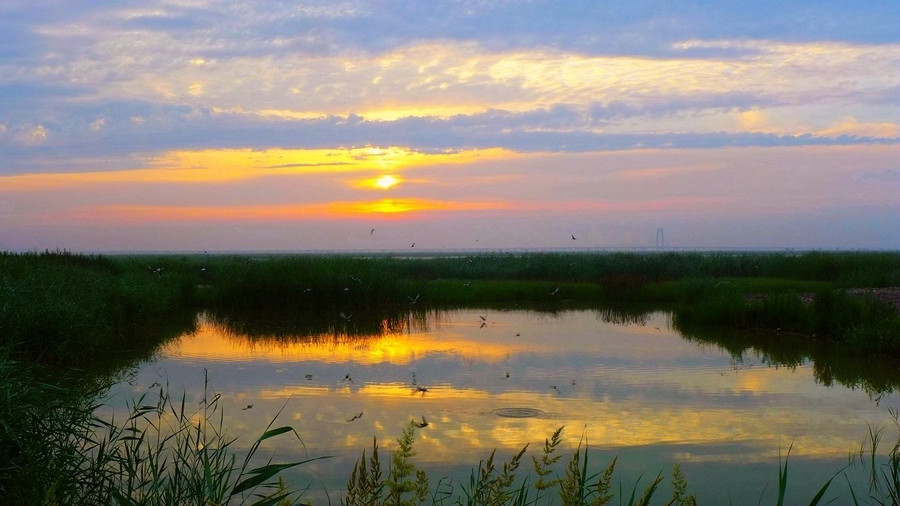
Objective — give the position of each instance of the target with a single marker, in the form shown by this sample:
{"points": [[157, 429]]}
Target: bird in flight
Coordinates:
{"points": [[423, 424], [573, 237], [356, 417]]}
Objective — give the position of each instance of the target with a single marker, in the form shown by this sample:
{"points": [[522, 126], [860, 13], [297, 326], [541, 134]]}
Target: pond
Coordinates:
{"points": [[629, 387]]}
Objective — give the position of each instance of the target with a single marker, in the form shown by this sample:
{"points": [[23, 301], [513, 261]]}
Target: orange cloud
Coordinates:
{"points": [[288, 212], [232, 165]]}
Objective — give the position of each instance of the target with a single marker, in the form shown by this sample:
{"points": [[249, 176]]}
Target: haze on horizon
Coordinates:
{"points": [[349, 125]]}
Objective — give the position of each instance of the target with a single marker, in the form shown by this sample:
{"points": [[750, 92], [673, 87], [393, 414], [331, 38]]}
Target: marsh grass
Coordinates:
{"points": [[490, 483], [58, 306], [166, 452], [884, 474], [405, 484], [43, 420], [54, 449], [864, 324]]}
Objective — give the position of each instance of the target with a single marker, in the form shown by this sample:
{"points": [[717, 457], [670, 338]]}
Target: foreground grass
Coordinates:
{"points": [[54, 449], [165, 451]]}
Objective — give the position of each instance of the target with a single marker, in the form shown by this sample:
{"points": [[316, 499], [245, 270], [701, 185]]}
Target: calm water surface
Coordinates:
{"points": [[502, 379]]}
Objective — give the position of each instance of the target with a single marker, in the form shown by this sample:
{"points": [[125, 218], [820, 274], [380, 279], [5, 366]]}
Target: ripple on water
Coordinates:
{"points": [[518, 412]]}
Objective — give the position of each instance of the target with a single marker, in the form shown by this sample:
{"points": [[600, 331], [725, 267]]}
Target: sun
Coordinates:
{"points": [[386, 181]]}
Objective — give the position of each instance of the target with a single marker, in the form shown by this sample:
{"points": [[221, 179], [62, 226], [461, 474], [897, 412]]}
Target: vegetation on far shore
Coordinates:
{"points": [[102, 313], [60, 306]]}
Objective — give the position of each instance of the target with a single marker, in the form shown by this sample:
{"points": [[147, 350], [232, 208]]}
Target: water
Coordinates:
{"points": [[502, 379]]}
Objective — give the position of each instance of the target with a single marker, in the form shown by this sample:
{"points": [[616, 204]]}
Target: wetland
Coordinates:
{"points": [[714, 365]]}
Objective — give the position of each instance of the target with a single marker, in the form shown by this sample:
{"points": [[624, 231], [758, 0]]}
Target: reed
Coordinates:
{"points": [[55, 450], [57, 305], [884, 474], [165, 451], [865, 325], [574, 485]]}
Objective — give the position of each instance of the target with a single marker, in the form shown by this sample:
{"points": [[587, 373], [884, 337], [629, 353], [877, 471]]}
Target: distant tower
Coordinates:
{"points": [[660, 238]]}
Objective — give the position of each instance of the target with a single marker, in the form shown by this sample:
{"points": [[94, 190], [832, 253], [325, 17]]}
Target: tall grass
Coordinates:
{"points": [[866, 325], [55, 450], [489, 484], [43, 421], [884, 475], [58, 306], [166, 450]]}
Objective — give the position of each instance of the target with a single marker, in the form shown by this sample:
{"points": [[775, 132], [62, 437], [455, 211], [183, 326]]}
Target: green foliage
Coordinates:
{"points": [[54, 450], [43, 423], [884, 476], [486, 486], [680, 496], [543, 466], [405, 485], [864, 324], [400, 482], [58, 306]]}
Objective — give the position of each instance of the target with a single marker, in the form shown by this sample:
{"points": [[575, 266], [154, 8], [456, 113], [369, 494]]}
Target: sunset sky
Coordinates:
{"points": [[198, 125]]}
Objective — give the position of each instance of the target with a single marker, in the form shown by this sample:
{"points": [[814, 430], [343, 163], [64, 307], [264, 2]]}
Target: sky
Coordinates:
{"points": [[198, 125]]}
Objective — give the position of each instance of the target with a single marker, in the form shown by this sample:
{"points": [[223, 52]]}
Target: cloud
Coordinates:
{"points": [[850, 126], [98, 124], [336, 210], [164, 77], [32, 136]]}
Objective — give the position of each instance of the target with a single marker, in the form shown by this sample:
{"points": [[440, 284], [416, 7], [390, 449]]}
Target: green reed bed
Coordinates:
{"points": [[865, 325], [44, 419], [60, 307], [56, 305]]}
